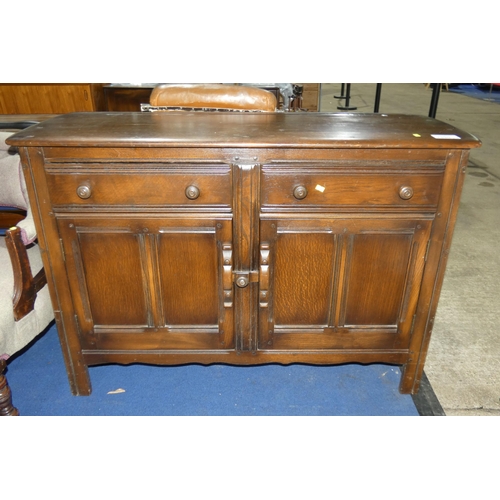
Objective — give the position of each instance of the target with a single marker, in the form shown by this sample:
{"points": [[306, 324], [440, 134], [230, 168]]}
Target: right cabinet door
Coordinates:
{"points": [[340, 283]]}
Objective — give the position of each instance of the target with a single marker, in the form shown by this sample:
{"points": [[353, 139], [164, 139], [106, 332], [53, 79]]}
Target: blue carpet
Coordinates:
{"points": [[40, 387], [478, 91]]}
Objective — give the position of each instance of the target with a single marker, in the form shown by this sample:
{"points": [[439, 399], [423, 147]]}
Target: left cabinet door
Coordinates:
{"points": [[150, 283]]}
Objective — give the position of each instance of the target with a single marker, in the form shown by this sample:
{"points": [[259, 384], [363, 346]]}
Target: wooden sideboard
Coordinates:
{"points": [[244, 238]]}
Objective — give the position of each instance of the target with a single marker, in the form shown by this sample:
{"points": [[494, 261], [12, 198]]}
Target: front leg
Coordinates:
{"points": [[6, 408]]}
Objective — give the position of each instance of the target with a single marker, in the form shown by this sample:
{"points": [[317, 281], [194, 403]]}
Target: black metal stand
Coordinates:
{"points": [[342, 95], [436, 89], [434, 100], [346, 107], [378, 92]]}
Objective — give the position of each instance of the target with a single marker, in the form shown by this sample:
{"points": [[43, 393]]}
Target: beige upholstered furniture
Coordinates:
{"points": [[25, 307]]}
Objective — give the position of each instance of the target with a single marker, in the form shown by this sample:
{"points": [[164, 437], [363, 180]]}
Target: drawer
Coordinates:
{"points": [[372, 189], [134, 187]]}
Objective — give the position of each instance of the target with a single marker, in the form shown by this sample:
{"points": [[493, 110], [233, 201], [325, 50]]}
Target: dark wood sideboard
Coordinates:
{"points": [[244, 238]]}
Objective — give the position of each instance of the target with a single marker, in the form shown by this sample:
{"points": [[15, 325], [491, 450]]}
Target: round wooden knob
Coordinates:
{"points": [[300, 192], [192, 192], [405, 192], [84, 191]]}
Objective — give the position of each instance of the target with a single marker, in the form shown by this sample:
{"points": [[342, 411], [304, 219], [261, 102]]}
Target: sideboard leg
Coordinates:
{"points": [[6, 407], [76, 369], [411, 373], [80, 386], [78, 377]]}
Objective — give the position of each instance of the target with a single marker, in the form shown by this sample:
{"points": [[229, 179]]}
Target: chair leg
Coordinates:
{"points": [[6, 408]]}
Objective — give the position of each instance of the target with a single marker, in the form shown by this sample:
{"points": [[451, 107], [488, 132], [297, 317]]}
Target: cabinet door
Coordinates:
{"points": [[341, 283], [150, 283]]}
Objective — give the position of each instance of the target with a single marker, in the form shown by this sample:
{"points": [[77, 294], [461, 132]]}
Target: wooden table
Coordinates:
{"points": [[244, 238]]}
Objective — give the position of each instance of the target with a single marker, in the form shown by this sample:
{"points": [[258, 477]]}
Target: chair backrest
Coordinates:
{"points": [[212, 97], [12, 188], [25, 306], [13, 193]]}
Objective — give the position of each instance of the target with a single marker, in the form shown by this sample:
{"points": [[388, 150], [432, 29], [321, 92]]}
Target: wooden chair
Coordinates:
{"points": [[25, 306]]}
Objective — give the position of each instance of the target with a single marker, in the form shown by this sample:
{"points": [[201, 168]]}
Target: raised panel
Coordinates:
{"points": [[303, 270], [378, 267], [187, 270], [112, 267]]}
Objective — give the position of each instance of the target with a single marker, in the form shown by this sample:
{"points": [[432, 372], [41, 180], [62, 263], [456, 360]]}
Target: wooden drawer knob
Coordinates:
{"points": [[406, 192], [84, 191], [192, 192], [300, 192]]}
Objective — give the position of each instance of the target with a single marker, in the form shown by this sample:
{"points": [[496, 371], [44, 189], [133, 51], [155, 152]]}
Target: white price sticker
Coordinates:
{"points": [[445, 136]]}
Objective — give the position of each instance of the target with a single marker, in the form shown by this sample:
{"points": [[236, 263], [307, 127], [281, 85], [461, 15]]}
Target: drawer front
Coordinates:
{"points": [[133, 187], [373, 189]]}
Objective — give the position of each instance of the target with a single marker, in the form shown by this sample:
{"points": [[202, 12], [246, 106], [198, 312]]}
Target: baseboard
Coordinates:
{"points": [[426, 401]]}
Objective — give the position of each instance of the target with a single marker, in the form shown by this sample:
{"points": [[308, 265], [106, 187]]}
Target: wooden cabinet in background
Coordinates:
{"points": [[126, 97], [244, 238], [50, 98]]}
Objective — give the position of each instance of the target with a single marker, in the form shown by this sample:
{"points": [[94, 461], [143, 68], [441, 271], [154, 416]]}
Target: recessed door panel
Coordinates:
{"points": [[187, 265], [112, 266], [303, 270], [377, 267]]}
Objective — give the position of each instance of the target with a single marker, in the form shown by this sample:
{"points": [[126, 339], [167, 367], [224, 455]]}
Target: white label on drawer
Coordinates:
{"points": [[445, 136], [319, 188]]}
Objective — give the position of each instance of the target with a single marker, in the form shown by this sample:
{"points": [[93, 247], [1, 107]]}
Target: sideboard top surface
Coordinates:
{"points": [[245, 130]]}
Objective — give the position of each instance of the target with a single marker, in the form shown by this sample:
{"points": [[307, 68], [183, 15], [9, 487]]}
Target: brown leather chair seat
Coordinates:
{"points": [[213, 97]]}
